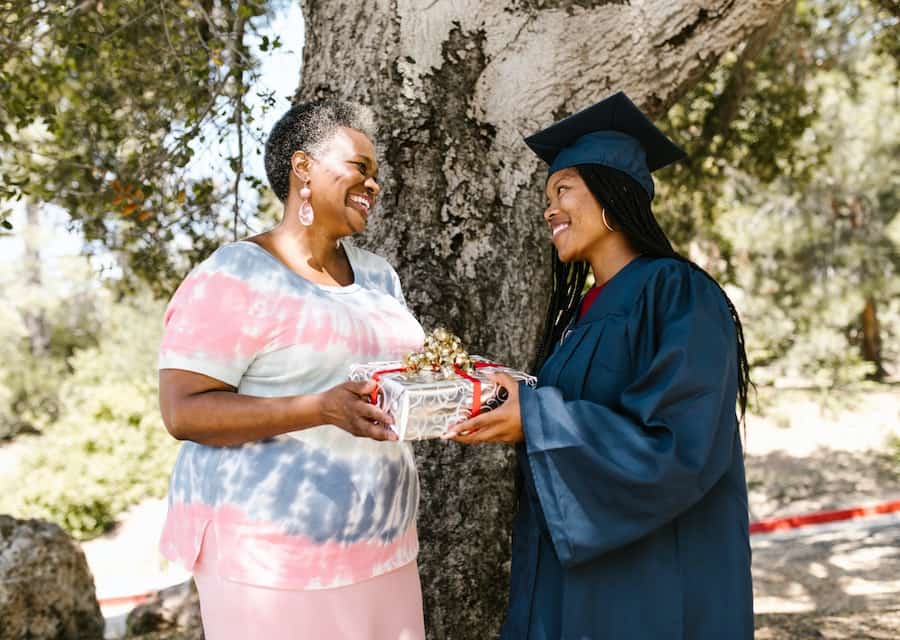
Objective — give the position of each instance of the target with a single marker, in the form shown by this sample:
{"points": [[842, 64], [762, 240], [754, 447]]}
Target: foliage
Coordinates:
{"points": [[108, 448], [30, 383], [794, 201], [894, 448], [751, 113], [107, 103], [816, 255], [746, 116]]}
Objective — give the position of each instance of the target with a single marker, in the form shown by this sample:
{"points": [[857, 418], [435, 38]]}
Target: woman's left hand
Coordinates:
{"points": [[503, 424]]}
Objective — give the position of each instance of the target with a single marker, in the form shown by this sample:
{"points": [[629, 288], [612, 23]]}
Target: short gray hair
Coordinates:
{"points": [[306, 127]]}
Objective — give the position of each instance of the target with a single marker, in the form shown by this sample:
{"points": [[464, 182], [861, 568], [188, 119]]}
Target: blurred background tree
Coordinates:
{"points": [[133, 116], [85, 394], [136, 119], [791, 195]]}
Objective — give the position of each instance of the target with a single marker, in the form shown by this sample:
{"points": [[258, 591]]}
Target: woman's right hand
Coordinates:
{"points": [[347, 406]]}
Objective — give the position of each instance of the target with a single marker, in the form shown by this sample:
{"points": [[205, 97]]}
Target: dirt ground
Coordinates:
{"points": [[882, 625], [807, 454]]}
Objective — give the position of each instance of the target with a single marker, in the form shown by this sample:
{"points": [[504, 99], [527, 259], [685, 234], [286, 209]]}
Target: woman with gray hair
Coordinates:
{"points": [[290, 501]]}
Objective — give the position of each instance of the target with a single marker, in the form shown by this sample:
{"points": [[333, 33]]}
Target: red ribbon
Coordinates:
{"points": [[476, 390], [476, 383], [375, 376]]}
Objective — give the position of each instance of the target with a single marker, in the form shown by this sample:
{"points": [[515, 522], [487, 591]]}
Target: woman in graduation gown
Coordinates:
{"points": [[632, 520]]}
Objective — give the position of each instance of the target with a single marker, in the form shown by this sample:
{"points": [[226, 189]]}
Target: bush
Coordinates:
{"points": [[108, 450], [30, 383]]}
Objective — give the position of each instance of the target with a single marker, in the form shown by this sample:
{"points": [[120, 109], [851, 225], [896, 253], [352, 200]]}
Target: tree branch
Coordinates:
{"points": [[238, 74], [718, 121]]}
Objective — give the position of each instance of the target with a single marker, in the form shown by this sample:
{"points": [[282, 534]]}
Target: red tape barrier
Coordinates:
{"points": [[761, 526], [135, 599], [822, 517]]}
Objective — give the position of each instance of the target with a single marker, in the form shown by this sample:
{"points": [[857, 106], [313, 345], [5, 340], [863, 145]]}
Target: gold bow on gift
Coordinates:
{"points": [[442, 352]]}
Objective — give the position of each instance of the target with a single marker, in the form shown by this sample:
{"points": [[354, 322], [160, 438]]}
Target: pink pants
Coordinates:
{"points": [[387, 607]]}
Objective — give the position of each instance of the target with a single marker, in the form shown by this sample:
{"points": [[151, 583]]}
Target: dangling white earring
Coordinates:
{"points": [[305, 213], [605, 223]]}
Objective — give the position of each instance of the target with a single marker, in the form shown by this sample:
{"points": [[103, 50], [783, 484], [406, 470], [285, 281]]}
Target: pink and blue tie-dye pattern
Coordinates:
{"points": [[312, 509]]}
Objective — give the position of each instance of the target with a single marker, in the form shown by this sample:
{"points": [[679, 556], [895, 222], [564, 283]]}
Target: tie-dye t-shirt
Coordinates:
{"points": [[312, 509]]}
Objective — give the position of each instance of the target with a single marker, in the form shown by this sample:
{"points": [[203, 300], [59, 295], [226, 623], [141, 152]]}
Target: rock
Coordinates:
{"points": [[46, 588], [172, 614]]}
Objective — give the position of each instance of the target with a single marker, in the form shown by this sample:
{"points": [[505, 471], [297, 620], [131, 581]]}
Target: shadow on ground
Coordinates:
{"points": [[781, 484], [840, 571], [839, 582], [816, 626]]}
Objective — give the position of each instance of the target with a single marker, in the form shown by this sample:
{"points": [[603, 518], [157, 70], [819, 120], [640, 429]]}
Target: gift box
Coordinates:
{"points": [[425, 402]]}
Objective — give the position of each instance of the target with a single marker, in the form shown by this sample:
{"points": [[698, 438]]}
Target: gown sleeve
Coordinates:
{"points": [[608, 474]]}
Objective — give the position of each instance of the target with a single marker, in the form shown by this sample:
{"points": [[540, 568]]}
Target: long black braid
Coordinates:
{"points": [[628, 209]]}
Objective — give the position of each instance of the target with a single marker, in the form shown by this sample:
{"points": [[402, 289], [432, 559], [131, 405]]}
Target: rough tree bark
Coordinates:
{"points": [[455, 85]]}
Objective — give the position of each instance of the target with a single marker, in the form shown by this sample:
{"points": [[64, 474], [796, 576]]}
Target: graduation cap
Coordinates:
{"points": [[614, 133]]}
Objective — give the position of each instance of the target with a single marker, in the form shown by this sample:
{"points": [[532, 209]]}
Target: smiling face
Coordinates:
{"points": [[574, 216], [342, 181]]}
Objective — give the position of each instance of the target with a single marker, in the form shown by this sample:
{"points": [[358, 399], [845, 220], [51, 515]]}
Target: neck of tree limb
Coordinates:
{"points": [[717, 124]]}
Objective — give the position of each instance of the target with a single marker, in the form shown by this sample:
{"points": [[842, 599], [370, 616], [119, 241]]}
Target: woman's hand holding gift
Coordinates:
{"points": [[503, 424], [347, 406]]}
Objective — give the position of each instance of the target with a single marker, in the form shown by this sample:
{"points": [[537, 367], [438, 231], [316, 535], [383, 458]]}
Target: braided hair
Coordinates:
{"points": [[628, 209]]}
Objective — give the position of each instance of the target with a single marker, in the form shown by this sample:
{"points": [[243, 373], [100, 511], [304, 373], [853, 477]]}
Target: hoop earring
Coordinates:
{"points": [[605, 223], [305, 214]]}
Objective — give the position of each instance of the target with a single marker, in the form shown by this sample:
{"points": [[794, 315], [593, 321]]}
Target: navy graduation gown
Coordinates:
{"points": [[632, 520]]}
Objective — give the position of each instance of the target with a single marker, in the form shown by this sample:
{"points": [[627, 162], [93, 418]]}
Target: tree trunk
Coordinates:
{"points": [[35, 321], [455, 86], [871, 338]]}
